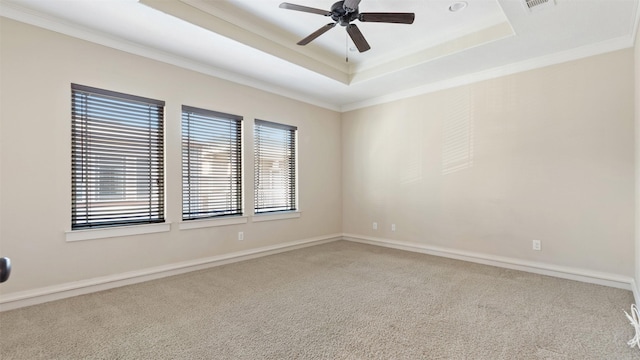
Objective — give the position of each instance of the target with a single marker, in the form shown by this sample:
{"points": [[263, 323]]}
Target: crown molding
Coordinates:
{"points": [[468, 41], [34, 18], [509, 69], [201, 14], [31, 17], [636, 24]]}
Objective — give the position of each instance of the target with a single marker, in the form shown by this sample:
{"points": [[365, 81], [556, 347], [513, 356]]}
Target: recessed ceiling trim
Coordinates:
{"points": [[206, 20], [636, 23], [582, 52], [231, 13], [43, 20], [17, 13], [487, 35], [224, 18]]}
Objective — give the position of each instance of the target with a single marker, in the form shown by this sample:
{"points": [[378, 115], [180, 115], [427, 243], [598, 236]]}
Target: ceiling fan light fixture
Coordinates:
{"points": [[344, 12], [458, 6]]}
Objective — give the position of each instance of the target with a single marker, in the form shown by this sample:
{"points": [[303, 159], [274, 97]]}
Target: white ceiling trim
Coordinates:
{"points": [[466, 42], [208, 16], [55, 24], [201, 14], [636, 24], [530, 64]]}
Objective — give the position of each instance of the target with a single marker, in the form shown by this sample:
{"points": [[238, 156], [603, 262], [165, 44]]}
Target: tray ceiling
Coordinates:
{"points": [[254, 42]]}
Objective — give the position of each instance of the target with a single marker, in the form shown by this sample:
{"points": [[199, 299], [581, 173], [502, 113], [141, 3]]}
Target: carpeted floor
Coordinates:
{"points": [[340, 300]]}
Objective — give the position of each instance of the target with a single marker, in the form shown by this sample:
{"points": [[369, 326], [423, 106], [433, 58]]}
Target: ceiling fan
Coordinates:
{"points": [[343, 13]]}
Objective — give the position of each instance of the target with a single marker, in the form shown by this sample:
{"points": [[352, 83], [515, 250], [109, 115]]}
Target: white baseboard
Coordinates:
{"points": [[583, 275], [636, 294], [57, 292]]}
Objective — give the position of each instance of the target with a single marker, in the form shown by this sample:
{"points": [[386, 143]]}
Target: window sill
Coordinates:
{"points": [[92, 234], [204, 223], [276, 216]]}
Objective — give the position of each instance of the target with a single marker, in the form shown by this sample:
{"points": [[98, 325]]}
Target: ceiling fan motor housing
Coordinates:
{"points": [[340, 15], [344, 12]]}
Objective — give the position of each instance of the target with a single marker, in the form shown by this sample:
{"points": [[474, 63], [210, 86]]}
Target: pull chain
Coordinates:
{"points": [[346, 47]]}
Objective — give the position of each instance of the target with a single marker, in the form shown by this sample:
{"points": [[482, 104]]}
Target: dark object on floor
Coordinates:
{"points": [[5, 269]]}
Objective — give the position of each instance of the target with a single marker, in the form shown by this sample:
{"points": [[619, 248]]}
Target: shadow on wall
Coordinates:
{"points": [[457, 137], [411, 170]]}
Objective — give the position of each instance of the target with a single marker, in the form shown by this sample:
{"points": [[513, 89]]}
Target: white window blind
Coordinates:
{"points": [[117, 159], [275, 167], [211, 164]]}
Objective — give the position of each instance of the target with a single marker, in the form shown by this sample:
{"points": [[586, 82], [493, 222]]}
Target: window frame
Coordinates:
{"points": [[108, 125], [292, 206], [236, 193]]}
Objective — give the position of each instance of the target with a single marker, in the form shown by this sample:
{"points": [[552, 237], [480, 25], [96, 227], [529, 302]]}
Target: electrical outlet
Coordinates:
{"points": [[393, 227], [240, 235], [375, 226], [536, 245]]}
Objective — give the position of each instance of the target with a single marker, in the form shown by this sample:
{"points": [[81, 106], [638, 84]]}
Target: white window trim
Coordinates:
{"points": [[272, 216], [276, 216], [102, 233], [226, 119], [85, 92], [205, 223]]}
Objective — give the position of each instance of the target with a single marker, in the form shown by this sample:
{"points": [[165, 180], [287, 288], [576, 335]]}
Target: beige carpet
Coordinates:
{"points": [[335, 301]]}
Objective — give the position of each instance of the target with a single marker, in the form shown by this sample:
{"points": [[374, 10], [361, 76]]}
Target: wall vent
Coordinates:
{"points": [[535, 5], [532, 3]]}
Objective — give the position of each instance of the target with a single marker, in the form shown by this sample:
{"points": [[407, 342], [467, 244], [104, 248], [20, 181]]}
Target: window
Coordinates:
{"points": [[275, 167], [117, 159], [211, 164]]}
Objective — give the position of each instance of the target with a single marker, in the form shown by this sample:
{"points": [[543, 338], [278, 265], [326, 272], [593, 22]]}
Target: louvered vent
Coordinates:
{"points": [[535, 5], [532, 3]]}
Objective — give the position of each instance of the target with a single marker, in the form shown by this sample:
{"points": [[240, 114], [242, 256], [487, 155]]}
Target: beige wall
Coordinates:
{"points": [[546, 154], [37, 67]]}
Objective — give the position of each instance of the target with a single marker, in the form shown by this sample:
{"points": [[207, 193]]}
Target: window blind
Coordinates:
{"points": [[117, 159], [275, 167], [211, 164]]}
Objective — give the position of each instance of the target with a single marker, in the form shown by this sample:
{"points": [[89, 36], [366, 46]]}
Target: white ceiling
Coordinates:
{"points": [[253, 41]]}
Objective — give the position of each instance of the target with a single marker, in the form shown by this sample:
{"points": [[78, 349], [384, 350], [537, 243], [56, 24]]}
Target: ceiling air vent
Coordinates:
{"points": [[535, 5]]}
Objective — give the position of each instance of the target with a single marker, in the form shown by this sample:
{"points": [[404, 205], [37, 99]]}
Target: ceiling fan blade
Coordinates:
{"points": [[289, 6], [357, 37], [351, 5], [397, 18], [316, 33]]}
